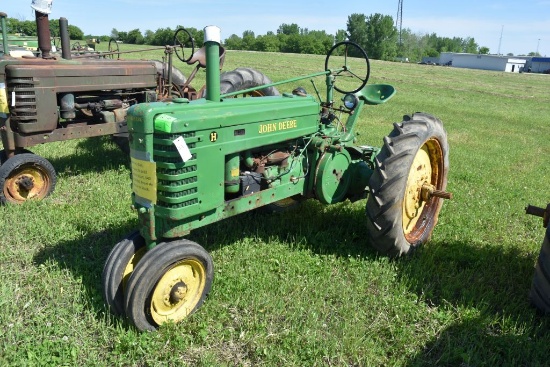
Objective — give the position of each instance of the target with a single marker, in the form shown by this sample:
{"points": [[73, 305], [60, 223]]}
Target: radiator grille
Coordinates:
{"points": [[24, 109], [177, 181]]}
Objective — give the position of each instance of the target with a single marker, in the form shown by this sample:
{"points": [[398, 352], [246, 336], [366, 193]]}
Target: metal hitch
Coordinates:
{"points": [[429, 191], [539, 212]]}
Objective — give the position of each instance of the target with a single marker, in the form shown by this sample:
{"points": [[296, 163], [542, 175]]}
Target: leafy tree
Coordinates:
{"points": [[357, 29], [114, 33], [248, 40], [122, 36], [234, 42], [75, 33], [25, 27], [470, 46], [484, 51], [267, 43], [163, 37], [134, 37], [292, 44], [341, 35], [54, 28], [288, 29], [381, 40], [148, 37], [198, 36]]}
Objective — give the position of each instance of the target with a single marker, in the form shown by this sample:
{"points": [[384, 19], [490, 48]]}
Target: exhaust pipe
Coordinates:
{"points": [[3, 17], [212, 40], [65, 41], [44, 35], [41, 9]]}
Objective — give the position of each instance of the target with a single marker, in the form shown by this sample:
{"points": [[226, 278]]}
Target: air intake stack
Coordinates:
{"points": [[212, 40]]}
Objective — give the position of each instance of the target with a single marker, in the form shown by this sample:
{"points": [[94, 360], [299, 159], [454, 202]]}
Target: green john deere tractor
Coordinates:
{"points": [[198, 162]]}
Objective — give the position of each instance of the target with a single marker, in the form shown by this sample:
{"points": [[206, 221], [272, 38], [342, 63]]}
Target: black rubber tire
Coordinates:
{"points": [[540, 288], [152, 267], [178, 78], [116, 272], [122, 143], [3, 156], [19, 166], [389, 185], [244, 78]]}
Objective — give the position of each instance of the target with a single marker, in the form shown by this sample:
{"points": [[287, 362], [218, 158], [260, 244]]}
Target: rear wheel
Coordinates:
{"points": [[178, 80], [170, 282], [24, 177], [540, 288], [245, 78], [406, 187]]}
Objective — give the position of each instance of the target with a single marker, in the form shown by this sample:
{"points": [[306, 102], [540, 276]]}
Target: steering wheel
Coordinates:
{"points": [[344, 56], [113, 47], [182, 39]]}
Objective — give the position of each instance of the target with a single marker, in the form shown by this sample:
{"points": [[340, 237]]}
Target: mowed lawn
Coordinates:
{"points": [[304, 288]]}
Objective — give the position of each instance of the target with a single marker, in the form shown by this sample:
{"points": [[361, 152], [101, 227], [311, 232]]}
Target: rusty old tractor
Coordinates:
{"points": [[80, 94], [196, 162], [540, 287]]}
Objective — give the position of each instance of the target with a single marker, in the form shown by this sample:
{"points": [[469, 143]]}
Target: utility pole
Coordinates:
{"points": [[399, 25], [538, 43], [500, 41], [399, 20]]}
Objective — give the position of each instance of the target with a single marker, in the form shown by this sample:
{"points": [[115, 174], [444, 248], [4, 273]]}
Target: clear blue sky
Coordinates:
{"points": [[523, 25]]}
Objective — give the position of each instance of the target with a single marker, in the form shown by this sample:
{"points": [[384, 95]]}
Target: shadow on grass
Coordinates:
{"points": [[489, 283], [85, 257], [91, 155], [486, 286]]}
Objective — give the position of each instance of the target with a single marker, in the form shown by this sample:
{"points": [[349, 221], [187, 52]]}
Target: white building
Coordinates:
{"points": [[483, 62], [539, 64]]}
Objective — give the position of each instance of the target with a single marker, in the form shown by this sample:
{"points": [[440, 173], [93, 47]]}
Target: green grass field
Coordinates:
{"points": [[303, 288]]}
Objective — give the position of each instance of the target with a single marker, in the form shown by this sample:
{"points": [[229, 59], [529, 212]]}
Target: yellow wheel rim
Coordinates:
{"points": [[27, 183], [178, 291], [426, 169], [128, 270]]}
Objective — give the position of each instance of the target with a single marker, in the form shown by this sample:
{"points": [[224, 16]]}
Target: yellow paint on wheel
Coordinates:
{"points": [[27, 183], [129, 269], [178, 291], [425, 169]]}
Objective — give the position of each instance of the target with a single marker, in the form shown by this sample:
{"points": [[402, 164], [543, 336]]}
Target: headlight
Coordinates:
{"points": [[350, 101]]}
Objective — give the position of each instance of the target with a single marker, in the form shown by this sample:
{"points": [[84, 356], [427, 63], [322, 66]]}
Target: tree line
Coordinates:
{"points": [[376, 33]]}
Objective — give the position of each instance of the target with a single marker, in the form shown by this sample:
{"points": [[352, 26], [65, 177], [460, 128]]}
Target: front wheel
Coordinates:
{"points": [[170, 282], [24, 177], [407, 185], [540, 288], [120, 264]]}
